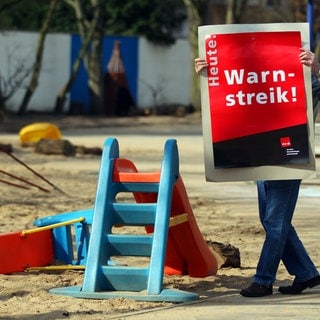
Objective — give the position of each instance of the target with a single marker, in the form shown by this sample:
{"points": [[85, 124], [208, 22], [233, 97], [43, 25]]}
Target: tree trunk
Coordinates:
{"points": [[38, 63], [91, 33], [95, 82], [229, 14], [61, 98], [194, 19]]}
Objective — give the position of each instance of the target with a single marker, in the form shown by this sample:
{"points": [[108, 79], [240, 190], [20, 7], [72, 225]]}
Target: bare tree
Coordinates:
{"points": [[61, 98], [9, 84], [38, 60], [90, 26], [194, 8]]}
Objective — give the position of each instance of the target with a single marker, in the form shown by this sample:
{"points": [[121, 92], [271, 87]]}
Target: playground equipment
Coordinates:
{"points": [[20, 251], [103, 280], [170, 243], [33, 248], [187, 252]]}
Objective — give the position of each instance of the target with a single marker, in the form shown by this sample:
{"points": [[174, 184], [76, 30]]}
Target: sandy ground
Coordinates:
{"points": [[225, 212]]}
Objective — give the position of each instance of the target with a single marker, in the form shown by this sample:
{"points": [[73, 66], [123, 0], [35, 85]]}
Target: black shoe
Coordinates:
{"points": [[256, 290], [298, 287]]}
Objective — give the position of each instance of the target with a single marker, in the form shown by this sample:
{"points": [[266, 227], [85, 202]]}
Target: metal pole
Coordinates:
{"points": [[23, 180], [30, 169], [311, 22]]}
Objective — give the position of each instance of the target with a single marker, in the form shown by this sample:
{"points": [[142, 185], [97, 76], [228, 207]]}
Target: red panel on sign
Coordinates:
{"points": [[255, 82]]}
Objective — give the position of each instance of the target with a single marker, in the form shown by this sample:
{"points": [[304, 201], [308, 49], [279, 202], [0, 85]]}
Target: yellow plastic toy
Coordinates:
{"points": [[34, 132]]}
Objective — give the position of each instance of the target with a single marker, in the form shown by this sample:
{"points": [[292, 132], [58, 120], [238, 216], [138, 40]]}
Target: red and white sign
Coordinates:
{"points": [[256, 97]]}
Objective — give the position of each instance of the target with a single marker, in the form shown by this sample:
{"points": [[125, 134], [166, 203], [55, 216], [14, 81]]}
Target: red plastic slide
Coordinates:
{"points": [[187, 250]]}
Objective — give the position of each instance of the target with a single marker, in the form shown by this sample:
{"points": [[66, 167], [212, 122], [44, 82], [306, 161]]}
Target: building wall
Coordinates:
{"points": [[164, 73], [152, 71], [18, 49]]}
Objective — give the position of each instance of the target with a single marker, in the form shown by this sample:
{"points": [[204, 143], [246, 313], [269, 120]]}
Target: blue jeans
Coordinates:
{"points": [[277, 200]]}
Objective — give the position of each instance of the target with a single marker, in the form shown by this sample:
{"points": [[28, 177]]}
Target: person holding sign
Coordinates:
{"points": [[277, 200]]}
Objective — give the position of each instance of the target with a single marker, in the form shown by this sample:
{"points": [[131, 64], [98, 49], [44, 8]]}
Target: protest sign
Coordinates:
{"points": [[256, 102]]}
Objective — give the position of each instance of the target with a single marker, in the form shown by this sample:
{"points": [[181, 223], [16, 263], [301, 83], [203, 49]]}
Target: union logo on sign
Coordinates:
{"points": [[285, 142]]}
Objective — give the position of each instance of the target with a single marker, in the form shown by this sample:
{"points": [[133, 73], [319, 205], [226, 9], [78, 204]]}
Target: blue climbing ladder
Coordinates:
{"points": [[104, 279]]}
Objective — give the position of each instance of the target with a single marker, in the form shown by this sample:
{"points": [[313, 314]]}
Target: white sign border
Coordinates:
{"points": [[303, 171]]}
